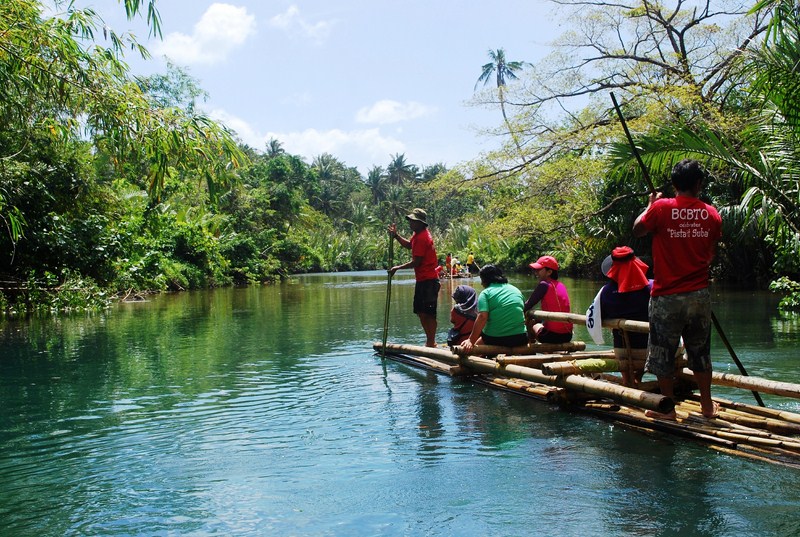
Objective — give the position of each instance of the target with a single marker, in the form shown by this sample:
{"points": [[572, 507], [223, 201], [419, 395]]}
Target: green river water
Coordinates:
{"points": [[264, 411]]}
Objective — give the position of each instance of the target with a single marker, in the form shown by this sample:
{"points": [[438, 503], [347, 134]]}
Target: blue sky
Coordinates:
{"points": [[360, 79]]}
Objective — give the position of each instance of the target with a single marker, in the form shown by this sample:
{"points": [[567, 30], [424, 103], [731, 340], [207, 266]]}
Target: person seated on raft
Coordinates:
{"points": [[554, 297], [463, 314], [626, 296], [500, 319]]}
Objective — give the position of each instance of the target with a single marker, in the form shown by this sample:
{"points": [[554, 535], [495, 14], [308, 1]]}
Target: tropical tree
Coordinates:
{"points": [[61, 85], [399, 172], [274, 148], [502, 70], [376, 181], [756, 168]]}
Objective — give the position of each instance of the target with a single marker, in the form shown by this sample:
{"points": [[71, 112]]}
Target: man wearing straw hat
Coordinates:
{"points": [[685, 233], [424, 263]]}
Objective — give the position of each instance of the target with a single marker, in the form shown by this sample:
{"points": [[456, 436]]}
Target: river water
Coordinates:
{"points": [[264, 411]]}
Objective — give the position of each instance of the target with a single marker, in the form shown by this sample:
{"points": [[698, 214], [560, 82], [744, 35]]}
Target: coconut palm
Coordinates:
{"points": [[502, 70], [399, 172], [274, 148], [376, 181]]}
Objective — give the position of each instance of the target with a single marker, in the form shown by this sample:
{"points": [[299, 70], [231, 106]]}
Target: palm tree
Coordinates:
{"points": [[502, 69], [376, 181], [274, 148], [399, 172]]}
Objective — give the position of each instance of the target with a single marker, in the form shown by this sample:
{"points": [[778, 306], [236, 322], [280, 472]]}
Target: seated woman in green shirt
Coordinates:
{"points": [[500, 319]]}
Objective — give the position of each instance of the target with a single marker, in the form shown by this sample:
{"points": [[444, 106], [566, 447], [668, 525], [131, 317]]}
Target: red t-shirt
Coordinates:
{"points": [[422, 246], [685, 232]]}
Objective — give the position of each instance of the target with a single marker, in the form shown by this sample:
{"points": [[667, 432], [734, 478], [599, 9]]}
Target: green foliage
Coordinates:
{"points": [[50, 293], [791, 290]]}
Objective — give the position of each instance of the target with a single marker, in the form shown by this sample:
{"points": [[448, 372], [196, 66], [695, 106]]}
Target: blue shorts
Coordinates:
{"points": [[673, 316], [426, 295]]}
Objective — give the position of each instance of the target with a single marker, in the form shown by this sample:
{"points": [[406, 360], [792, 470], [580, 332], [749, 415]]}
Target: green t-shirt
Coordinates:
{"points": [[504, 303]]}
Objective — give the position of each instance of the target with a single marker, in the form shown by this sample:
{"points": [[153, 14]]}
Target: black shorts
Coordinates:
{"points": [[514, 340], [546, 336], [426, 295]]}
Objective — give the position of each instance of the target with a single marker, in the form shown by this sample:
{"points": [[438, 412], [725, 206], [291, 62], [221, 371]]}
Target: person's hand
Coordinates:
{"points": [[467, 345], [392, 270], [653, 197], [392, 229]]}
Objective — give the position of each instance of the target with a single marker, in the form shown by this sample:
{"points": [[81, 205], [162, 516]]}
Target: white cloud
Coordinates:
{"points": [[386, 111], [220, 30], [359, 148], [293, 23]]}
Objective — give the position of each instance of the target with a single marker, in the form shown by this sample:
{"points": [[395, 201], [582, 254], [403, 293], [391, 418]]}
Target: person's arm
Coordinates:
{"points": [[477, 328], [405, 243], [536, 296], [415, 262], [639, 229]]}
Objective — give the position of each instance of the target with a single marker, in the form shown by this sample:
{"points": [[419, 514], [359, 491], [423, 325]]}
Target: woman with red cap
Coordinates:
{"points": [[626, 296], [554, 297]]}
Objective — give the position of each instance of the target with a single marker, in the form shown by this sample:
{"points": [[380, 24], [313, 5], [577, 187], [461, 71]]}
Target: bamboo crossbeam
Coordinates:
{"points": [[594, 365], [533, 348], [621, 394], [539, 359], [786, 389], [577, 318]]}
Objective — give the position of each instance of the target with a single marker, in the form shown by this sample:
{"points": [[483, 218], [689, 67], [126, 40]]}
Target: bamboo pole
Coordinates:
{"points": [[533, 348], [595, 365], [577, 318], [786, 389], [539, 359]]}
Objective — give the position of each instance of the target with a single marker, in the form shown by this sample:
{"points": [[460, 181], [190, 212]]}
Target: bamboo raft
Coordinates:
{"points": [[583, 381]]}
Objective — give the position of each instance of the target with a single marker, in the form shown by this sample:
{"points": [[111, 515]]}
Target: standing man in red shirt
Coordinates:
{"points": [[424, 262], [685, 233]]}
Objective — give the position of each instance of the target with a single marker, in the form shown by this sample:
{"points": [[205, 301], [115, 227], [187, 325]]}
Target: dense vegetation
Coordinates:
{"points": [[112, 185]]}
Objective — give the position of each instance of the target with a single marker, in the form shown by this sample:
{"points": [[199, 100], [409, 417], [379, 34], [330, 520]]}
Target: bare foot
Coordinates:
{"points": [[714, 411], [671, 416], [431, 345]]}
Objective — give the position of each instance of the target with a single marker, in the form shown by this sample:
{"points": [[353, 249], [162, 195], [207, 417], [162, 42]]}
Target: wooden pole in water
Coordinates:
{"points": [[388, 297], [733, 354]]}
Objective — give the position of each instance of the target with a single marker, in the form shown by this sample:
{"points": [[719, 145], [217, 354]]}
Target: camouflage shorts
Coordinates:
{"points": [[673, 316]]}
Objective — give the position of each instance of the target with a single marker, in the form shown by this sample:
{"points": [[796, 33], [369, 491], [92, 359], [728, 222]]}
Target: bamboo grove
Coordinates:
{"points": [[112, 184]]}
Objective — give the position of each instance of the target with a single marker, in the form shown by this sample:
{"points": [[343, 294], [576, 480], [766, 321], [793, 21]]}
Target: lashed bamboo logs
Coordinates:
{"points": [[786, 389], [621, 394], [533, 348]]}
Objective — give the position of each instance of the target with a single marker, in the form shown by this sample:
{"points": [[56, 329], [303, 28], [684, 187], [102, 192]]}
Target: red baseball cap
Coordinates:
{"points": [[546, 261]]}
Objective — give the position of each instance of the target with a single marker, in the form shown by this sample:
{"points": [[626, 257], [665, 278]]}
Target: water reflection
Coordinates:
{"points": [[263, 410]]}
